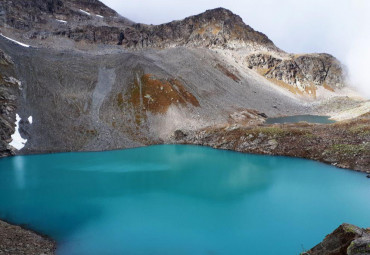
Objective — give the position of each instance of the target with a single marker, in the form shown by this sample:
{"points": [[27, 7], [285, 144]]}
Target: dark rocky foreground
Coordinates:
{"points": [[347, 239], [344, 144], [15, 240]]}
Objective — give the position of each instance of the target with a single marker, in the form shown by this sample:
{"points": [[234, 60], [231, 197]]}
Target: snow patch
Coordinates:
{"points": [[18, 142], [62, 21], [99, 16], [30, 119], [85, 12], [14, 81], [10, 39]]}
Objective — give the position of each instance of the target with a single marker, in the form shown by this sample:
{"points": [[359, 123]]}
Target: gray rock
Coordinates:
{"points": [[347, 239], [179, 135], [300, 71]]}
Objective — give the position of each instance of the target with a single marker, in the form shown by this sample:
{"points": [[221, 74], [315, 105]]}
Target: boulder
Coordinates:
{"points": [[347, 239]]}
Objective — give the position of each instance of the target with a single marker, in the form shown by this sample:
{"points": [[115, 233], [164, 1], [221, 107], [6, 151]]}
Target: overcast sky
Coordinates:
{"points": [[338, 27]]}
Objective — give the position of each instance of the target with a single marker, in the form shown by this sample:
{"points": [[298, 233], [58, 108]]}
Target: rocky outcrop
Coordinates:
{"points": [[347, 239], [9, 91], [344, 144], [304, 73], [17, 240], [82, 20], [44, 16]]}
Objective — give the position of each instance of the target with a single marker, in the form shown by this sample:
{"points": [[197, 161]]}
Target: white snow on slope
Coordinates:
{"points": [[99, 16], [30, 119], [14, 81], [18, 142], [85, 12], [62, 21], [10, 39]]}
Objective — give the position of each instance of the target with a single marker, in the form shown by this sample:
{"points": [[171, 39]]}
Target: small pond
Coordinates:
{"points": [[298, 118]]}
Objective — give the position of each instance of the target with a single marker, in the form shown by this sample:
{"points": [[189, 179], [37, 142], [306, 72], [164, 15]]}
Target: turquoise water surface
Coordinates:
{"points": [[298, 118], [176, 199]]}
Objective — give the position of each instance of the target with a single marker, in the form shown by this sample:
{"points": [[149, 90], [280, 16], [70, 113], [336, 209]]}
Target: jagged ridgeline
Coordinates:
{"points": [[93, 22], [94, 80]]}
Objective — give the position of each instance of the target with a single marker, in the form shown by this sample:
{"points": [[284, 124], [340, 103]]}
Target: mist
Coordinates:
{"points": [[337, 27]]}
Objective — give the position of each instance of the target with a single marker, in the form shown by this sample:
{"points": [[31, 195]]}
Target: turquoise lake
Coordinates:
{"points": [[183, 200], [297, 118]]}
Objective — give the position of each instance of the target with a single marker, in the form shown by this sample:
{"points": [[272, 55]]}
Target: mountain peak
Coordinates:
{"points": [[218, 13]]}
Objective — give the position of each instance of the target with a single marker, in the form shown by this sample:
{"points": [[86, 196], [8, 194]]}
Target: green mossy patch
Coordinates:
{"points": [[349, 149], [360, 130], [278, 131]]}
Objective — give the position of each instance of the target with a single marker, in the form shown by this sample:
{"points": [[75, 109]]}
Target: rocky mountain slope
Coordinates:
{"points": [[81, 77], [93, 23]]}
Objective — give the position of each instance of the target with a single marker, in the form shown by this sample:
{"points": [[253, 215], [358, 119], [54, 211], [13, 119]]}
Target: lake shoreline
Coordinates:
{"points": [[344, 144], [336, 164]]}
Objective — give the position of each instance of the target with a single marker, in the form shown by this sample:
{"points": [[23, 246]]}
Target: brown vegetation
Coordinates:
{"points": [[157, 95]]}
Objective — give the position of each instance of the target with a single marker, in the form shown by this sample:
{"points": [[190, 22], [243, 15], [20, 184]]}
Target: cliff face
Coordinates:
{"points": [[9, 91], [301, 73]]}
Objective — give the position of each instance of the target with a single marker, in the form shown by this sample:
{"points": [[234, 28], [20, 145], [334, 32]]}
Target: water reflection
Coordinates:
{"points": [[18, 165], [65, 186]]}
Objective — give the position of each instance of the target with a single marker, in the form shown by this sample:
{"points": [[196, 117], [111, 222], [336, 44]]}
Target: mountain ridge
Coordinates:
{"points": [[93, 22]]}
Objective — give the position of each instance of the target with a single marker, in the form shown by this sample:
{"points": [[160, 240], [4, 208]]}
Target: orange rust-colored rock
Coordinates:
{"points": [[157, 95]]}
